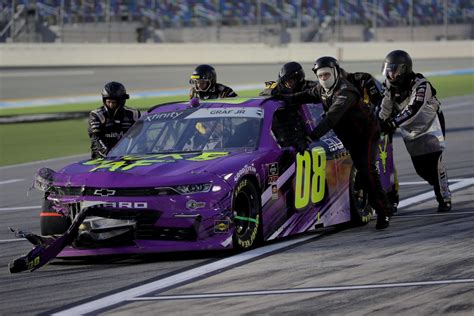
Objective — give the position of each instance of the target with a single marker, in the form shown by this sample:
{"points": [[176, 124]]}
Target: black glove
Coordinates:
{"points": [[303, 145], [300, 148], [283, 97], [102, 153], [388, 126], [101, 149]]}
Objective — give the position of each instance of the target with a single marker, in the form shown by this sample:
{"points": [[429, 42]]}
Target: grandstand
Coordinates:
{"points": [[272, 21]]}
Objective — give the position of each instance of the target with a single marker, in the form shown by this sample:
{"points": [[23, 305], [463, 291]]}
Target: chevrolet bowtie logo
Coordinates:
{"points": [[104, 192]]}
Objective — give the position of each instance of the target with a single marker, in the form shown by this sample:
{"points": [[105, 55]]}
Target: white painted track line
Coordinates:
{"points": [[11, 181], [303, 290]]}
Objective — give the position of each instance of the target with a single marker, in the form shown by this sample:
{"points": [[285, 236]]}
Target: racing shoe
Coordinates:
{"points": [[382, 222], [444, 207]]}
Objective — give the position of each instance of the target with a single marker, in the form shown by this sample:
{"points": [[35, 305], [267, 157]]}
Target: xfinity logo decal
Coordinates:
{"points": [[104, 192], [160, 116]]}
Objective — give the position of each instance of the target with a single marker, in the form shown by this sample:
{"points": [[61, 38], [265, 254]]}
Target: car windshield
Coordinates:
{"points": [[206, 129]]}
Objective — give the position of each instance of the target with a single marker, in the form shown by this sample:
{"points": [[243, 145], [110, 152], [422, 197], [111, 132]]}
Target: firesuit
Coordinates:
{"points": [[108, 124], [410, 103]]}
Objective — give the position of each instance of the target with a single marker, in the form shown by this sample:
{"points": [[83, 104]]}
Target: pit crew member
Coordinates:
{"points": [[410, 103], [109, 123]]}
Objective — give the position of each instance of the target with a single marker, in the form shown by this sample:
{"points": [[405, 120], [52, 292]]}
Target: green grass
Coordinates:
{"points": [[142, 104], [455, 85], [36, 141]]}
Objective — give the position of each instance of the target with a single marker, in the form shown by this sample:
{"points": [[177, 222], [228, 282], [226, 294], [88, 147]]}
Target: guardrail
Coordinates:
{"points": [[55, 55]]}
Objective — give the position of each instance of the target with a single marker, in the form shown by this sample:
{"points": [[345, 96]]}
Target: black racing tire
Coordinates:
{"points": [[50, 222], [247, 216], [361, 211]]}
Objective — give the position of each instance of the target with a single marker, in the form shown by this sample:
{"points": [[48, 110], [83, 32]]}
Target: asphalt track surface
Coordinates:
{"points": [[28, 83], [422, 264]]}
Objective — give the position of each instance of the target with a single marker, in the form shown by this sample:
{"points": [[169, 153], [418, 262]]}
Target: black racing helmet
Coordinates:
{"points": [[203, 78], [291, 75], [327, 62], [115, 91], [397, 66]]}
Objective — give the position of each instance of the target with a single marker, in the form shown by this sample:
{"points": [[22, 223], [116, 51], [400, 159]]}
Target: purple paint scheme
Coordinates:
{"points": [[182, 179]]}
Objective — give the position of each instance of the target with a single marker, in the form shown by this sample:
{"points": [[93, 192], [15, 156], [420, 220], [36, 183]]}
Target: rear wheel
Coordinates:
{"points": [[247, 216], [361, 211], [51, 222]]}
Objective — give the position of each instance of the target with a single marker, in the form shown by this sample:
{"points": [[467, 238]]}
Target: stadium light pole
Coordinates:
{"points": [[411, 21], [299, 17], [445, 18], [259, 20], [12, 27], [374, 19], [107, 19], [61, 20], [218, 21], [338, 20]]}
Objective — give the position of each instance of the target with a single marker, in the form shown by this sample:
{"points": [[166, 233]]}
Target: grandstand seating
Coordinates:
{"points": [[169, 15]]}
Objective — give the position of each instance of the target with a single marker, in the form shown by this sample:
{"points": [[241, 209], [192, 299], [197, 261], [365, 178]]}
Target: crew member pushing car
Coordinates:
{"points": [[410, 103], [204, 85], [111, 121], [371, 90], [353, 123], [291, 79]]}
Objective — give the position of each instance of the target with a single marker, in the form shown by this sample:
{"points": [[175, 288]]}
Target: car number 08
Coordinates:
{"points": [[307, 185]]}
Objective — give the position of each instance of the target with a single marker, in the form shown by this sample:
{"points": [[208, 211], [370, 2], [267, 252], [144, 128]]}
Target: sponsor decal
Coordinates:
{"points": [[274, 192], [131, 205], [272, 179], [192, 205], [245, 170], [114, 135], [273, 169], [163, 116], [221, 226], [129, 162], [333, 143], [383, 154]]}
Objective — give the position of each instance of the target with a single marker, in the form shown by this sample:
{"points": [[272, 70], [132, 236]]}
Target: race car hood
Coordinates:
{"points": [[152, 170]]}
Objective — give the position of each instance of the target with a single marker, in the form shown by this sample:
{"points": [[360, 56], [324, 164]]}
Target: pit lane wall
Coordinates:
{"points": [[57, 54]]}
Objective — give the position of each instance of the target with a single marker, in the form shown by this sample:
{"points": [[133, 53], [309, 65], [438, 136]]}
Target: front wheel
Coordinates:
{"points": [[361, 211], [247, 216]]}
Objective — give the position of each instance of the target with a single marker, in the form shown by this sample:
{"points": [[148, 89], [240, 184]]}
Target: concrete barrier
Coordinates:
{"points": [[51, 55]]}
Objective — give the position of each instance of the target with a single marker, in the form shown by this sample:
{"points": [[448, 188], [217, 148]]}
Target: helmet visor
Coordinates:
{"points": [[290, 83], [393, 71], [201, 84]]}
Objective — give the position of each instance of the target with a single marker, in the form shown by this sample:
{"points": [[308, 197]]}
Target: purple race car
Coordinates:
{"points": [[223, 174]]}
